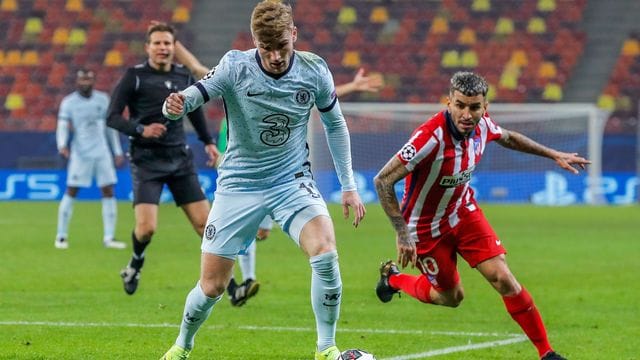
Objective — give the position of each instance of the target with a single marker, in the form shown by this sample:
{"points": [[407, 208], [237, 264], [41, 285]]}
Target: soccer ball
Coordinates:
{"points": [[356, 354]]}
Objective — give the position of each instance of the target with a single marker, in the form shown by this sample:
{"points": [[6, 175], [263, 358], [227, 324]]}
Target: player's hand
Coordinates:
{"points": [[213, 153], [64, 152], [352, 199], [118, 160], [154, 131], [174, 104], [407, 253], [371, 83], [567, 161]]}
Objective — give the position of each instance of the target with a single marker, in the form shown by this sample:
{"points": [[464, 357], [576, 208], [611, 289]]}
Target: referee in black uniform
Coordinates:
{"points": [[158, 151]]}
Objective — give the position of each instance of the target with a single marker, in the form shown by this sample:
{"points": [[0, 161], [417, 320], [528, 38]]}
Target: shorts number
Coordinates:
{"points": [[310, 190], [278, 132], [430, 266]]}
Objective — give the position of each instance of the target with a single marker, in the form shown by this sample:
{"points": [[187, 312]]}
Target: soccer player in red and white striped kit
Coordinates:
{"points": [[439, 216]]}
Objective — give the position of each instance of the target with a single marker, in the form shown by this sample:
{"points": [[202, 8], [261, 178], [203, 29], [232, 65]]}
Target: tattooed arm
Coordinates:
{"points": [[516, 141], [384, 182]]}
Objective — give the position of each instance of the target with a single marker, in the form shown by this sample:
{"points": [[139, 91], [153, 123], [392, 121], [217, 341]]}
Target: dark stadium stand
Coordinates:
{"points": [[526, 52], [44, 41], [622, 93]]}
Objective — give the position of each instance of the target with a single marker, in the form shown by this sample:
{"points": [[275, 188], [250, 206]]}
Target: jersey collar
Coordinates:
{"points": [[275, 76], [453, 130]]}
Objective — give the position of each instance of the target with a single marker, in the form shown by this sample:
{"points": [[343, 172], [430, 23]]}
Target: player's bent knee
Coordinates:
{"points": [[452, 298], [505, 283], [212, 288], [144, 232]]}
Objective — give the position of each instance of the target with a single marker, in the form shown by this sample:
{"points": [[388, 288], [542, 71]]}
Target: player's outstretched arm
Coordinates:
{"points": [[516, 141], [361, 82], [352, 199], [385, 182], [186, 57]]}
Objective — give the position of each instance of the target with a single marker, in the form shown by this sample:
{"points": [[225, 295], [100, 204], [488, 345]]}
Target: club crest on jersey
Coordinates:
{"points": [[457, 179], [210, 232], [476, 144], [303, 96], [408, 152], [168, 84]]}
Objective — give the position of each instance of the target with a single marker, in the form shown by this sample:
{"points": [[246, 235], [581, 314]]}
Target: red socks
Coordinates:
{"points": [[416, 286], [524, 312], [520, 307]]}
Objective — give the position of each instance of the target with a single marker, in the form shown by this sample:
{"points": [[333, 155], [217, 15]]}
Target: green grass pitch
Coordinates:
{"points": [[580, 264]]}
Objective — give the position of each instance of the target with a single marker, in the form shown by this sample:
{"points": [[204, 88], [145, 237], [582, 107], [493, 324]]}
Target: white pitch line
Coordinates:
{"points": [[461, 348], [382, 331], [252, 327], [513, 338]]}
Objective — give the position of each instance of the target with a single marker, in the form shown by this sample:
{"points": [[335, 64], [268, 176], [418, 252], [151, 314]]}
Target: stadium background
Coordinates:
{"points": [[533, 51]]}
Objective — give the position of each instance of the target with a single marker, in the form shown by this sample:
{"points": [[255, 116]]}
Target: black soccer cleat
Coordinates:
{"points": [[244, 291], [552, 355], [131, 275], [231, 288], [384, 291]]}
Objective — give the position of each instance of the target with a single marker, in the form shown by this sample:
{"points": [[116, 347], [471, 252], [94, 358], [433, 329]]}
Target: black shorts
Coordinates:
{"points": [[151, 168]]}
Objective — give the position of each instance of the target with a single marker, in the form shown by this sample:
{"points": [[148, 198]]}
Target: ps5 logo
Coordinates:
{"points": [[38, 186]]}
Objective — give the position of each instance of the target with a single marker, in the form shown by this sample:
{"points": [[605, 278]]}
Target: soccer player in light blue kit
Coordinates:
{"points": [[85, 111], [269, 93]]}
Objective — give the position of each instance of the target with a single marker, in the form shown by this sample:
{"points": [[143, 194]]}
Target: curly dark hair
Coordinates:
{"points": [[469, 84]]}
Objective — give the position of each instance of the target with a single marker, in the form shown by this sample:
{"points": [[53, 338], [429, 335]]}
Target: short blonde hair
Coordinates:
{"points": [[270, 20]]}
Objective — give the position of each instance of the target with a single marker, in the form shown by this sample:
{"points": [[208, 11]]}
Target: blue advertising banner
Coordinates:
{"points": [[549, 188], [45, 185]]}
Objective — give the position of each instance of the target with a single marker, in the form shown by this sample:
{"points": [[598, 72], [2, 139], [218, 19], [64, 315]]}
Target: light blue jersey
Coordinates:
{"points": [[267, 119], [87, 117]]}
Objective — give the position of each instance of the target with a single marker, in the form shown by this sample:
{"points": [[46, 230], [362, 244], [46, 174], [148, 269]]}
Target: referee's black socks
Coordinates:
{"points": [[138, 251]]}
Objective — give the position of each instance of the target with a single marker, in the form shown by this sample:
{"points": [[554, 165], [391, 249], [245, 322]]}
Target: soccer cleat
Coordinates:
{"points": [[114, 244], [244, 291], [61, 243], [130, 277], [330, 353], [231, 288], [552, 355], [384, 291], [176, 353]]}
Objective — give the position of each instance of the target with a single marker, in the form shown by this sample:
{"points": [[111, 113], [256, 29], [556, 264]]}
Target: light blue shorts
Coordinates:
{"points": [[81, 171], [235, 216], [267, 223]]}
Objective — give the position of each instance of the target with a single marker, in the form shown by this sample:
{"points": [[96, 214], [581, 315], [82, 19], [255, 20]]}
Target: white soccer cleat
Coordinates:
{"points": [[114, 244], [61, 243]]}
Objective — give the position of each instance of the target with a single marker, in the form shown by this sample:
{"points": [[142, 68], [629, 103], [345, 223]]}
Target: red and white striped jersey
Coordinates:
{"points": [[441, 161]]}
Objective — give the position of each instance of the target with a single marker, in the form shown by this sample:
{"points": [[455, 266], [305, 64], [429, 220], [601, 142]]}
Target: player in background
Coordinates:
{"points": [[158, 151], [240, 293], [269, 93], [84, 112], [439, 216]]}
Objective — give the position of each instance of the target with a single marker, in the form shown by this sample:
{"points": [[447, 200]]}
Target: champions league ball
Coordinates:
{"points": [[356, 354]]}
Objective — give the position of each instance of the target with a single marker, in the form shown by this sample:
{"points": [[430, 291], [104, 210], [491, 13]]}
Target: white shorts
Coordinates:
{"points": [[235, 216], [267, 223], [81, 171]]}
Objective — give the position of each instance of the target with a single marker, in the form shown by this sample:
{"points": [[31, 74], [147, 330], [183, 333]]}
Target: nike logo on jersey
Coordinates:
{"points": [[250, 94]]}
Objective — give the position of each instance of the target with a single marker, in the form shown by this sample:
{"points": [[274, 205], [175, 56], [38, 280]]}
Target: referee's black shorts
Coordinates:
{"points": [[151, 168]]}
